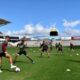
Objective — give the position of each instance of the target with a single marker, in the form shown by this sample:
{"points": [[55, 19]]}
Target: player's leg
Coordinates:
{"points": [[30, 59], [70, 48], [48, 53], [0, 64], [50, 48], [61, 50], [73, 48], [10, 60], [15, 58], [58, 50], [25, 53], [42, 51]]}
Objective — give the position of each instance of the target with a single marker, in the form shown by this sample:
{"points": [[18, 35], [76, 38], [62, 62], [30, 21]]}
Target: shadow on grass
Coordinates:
{"points": [[76, 61], [23, 62], [8, 70], [20, 62]]}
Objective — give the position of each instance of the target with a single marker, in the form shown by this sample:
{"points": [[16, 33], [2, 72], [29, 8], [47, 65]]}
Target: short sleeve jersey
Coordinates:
{"points": [[21, 47]]}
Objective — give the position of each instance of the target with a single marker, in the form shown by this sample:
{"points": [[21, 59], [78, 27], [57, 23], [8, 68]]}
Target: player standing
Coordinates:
{"points": [[50, 45], [60, 48]]}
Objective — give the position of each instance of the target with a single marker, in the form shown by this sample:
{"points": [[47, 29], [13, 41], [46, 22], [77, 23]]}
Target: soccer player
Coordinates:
{"points": [[71, 46], [50, 45], [60, 48], [56, 45], [44, 48], [4, 53], [22, 50]]}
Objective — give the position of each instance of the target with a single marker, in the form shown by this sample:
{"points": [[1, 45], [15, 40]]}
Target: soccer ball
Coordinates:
{"points": [[17, 69]]}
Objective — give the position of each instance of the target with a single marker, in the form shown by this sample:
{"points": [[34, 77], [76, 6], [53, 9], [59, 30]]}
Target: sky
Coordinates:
{"points": [[38, 17]]}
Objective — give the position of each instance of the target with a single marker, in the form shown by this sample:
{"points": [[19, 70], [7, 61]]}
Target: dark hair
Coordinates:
{"points": [[7, 37], [23, 39]]}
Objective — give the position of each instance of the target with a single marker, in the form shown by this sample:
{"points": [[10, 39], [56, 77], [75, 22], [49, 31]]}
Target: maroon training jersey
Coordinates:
{"points": [[4, 46]]}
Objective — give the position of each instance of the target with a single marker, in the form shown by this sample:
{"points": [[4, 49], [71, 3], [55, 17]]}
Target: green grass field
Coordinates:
{"points": [[53, 68]]}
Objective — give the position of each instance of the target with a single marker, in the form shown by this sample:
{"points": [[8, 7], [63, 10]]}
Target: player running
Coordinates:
{"points": [[56, 45], [44, 48], [50, 45], [60, 48], [4, 53], [22, 50]]}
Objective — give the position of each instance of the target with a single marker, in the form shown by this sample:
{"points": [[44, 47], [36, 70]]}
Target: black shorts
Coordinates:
{"points": [[22, 52], [44, 50], [60, 49], [2, 54]]}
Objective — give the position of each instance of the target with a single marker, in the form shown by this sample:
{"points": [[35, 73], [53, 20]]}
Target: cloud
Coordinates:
{"points": [[36, 29], [70, 28], [72, 32], [40, 29], [70, 23], [31, 30]]}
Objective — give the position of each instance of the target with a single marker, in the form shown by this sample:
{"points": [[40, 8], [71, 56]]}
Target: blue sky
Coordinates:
{"points": [[39, 16]]}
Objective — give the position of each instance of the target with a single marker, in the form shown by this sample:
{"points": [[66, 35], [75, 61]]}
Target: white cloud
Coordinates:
{"points": [[8, 33], [39, 28], [72, 32], [70, 28], [70, 23], [35, 29], [30, 29]]}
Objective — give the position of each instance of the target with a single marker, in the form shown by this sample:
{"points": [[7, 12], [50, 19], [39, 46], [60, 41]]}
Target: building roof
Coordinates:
{"points": [[4, 22]]}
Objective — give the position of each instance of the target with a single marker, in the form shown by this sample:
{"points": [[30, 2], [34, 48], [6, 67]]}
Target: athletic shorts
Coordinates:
{"points": [[59, 49], [44, 50], [2, 54], [22, 52]]}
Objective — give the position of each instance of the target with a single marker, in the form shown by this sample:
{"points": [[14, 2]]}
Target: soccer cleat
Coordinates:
{"points": [[1, 71], [12, 67]]}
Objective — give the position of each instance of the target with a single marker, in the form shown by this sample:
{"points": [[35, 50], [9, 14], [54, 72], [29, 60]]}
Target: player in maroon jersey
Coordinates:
{"points": [[4, 53]]}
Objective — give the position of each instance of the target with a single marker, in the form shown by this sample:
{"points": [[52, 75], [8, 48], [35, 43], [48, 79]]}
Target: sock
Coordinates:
{"points": [[11, 64]]}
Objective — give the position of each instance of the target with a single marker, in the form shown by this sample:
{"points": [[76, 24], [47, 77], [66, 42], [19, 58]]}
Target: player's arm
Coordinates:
{"points": [[16, 44], [12, 44], [41, 45], [26, 46]]}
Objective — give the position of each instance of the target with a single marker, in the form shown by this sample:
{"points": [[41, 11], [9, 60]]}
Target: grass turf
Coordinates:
{"points": [[53, 68]]}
